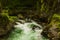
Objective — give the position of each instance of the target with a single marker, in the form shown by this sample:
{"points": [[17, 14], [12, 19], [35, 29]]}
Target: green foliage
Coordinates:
{"points": [[5, 13], [45, 7], [13, 18], [56, 20], [42, 7], [57, 16]]}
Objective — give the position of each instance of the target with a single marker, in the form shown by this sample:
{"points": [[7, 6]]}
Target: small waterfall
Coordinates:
{"points": [[23, 31]]}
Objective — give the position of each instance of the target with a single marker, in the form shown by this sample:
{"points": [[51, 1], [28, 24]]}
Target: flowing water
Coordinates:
{"points": [[24, 31]]}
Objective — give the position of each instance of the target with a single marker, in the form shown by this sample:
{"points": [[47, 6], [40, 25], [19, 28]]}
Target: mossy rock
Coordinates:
{"points": [[5, 25]]}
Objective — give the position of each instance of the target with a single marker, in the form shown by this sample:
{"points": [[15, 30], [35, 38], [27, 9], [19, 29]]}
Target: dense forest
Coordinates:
{"points": [[43, 12]]}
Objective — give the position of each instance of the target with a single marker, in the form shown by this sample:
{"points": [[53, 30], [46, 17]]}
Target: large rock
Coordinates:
{"points": [[5, 25], [51, 32]]}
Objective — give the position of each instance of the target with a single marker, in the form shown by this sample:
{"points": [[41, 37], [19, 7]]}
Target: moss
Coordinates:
{"points": [[13, 18], [6, 22], [55, 19]]}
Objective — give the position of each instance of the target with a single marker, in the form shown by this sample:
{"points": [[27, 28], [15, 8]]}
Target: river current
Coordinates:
{"points": [[24, 31]]}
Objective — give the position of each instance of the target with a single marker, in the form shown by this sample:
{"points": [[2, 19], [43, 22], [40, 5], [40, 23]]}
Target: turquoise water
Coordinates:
{"points": [[25, 32]]}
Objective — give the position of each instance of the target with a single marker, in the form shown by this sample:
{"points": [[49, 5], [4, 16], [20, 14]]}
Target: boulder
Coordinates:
{"points": [[51, 32], [5, 25]]}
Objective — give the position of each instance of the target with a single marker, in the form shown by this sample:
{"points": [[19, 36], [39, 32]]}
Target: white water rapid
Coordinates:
{"points": [[24, 31]]}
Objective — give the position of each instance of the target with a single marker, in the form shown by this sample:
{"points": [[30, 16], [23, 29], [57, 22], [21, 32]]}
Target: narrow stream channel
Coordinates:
{"points": [[24, 31]]}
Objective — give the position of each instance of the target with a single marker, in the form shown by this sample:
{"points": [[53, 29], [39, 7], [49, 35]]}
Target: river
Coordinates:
{"points": [[23, 31]]}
